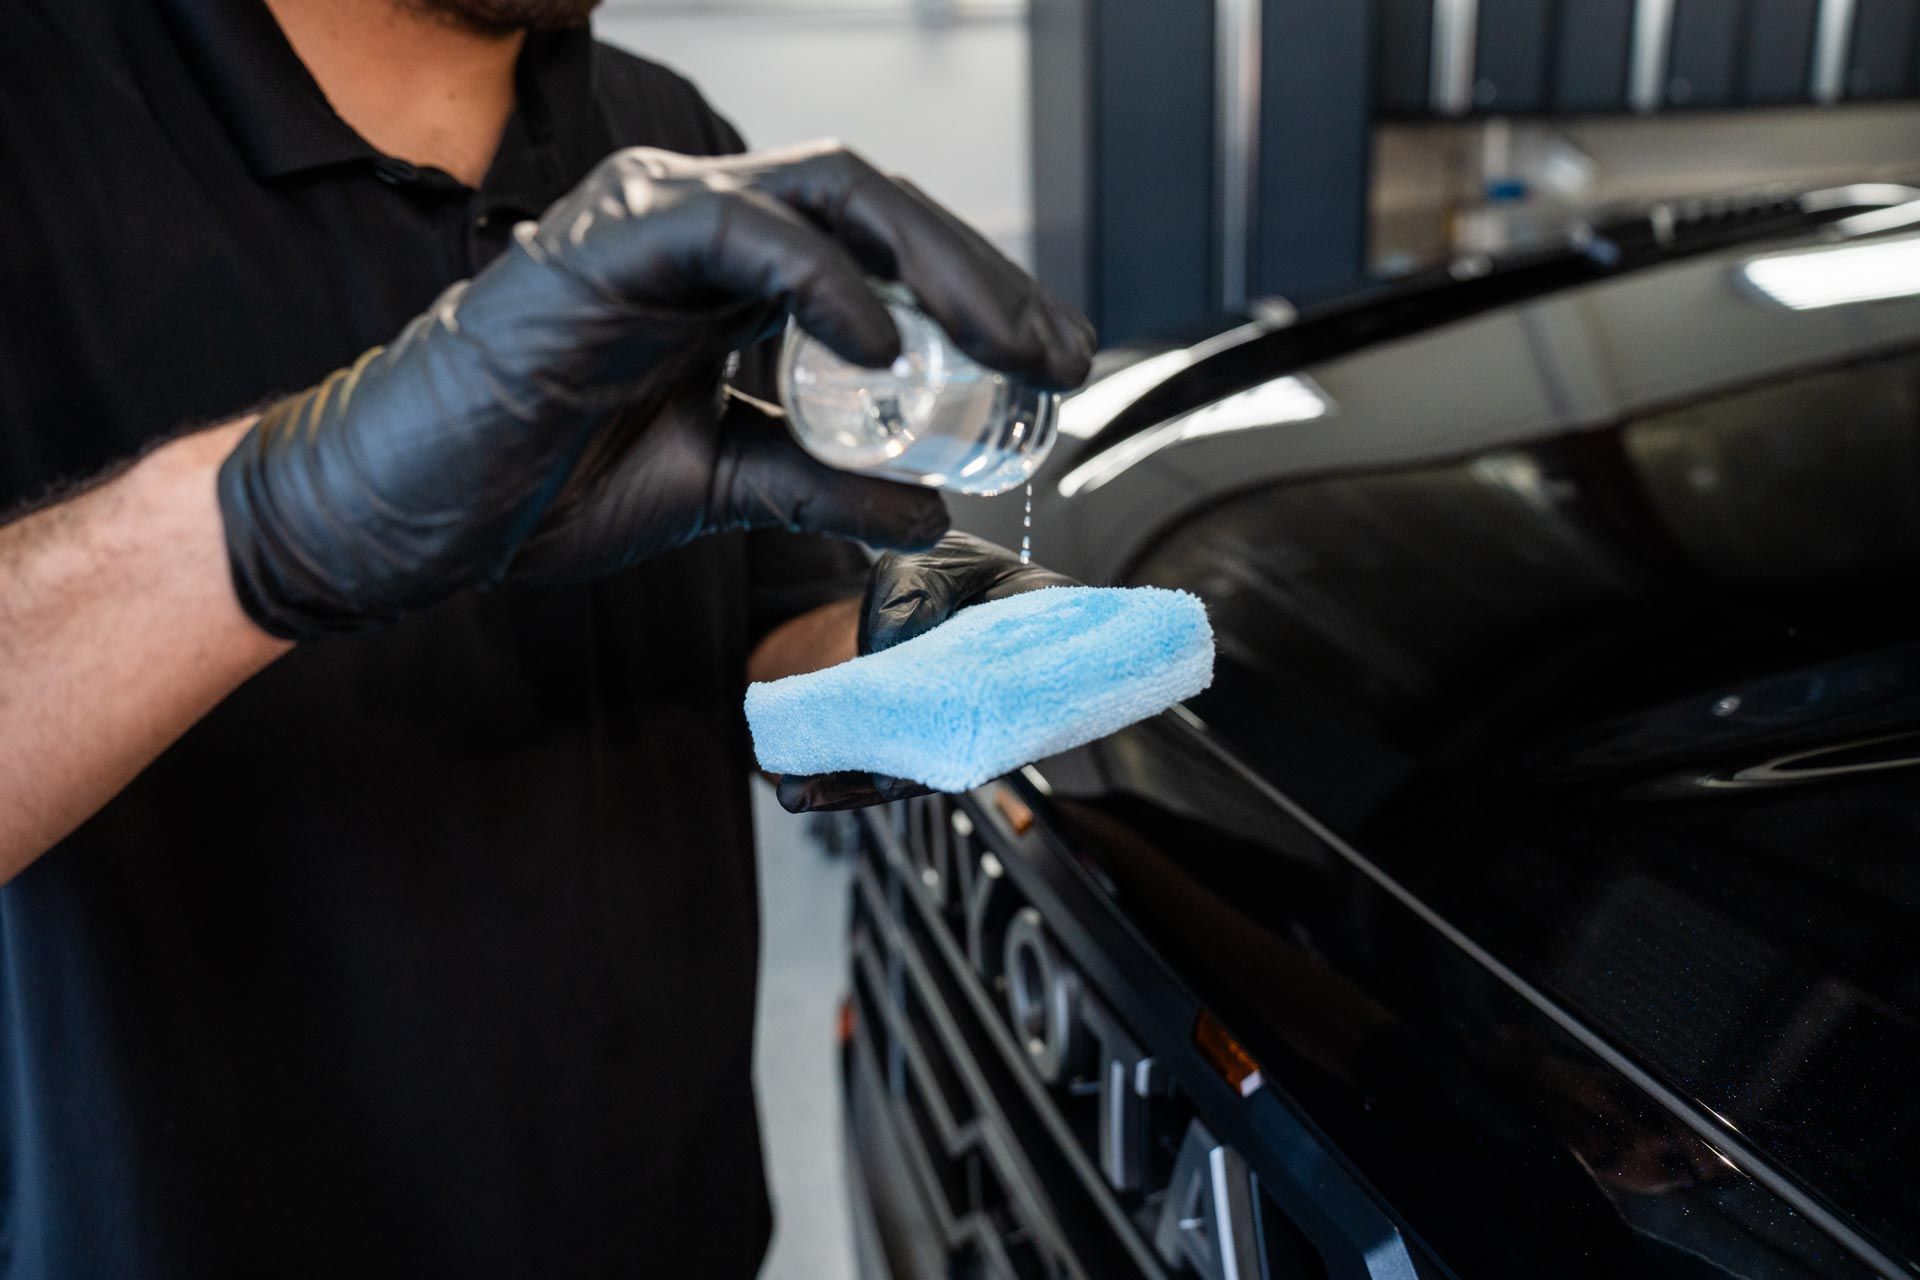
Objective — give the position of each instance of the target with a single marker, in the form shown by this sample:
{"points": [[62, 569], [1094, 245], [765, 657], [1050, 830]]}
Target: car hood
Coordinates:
{"points": [[1592, 621]]}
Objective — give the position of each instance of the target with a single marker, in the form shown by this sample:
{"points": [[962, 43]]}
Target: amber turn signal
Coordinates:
{"points": [[1013, 809], [1226, 1055]]}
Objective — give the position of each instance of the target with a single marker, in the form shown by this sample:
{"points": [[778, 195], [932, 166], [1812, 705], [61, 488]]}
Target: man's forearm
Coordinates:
{"points": [[118, 629], [818, 638]]}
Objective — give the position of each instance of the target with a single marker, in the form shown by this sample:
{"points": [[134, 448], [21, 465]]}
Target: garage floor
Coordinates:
{"points": [[803, 901]]}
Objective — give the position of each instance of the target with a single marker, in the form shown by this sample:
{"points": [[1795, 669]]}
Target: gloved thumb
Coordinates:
{"points": [[774, 483], [908, 595], [829, 792]]}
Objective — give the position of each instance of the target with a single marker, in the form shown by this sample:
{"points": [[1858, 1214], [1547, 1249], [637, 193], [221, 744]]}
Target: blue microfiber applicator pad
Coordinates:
{"points": [[995, 686]]}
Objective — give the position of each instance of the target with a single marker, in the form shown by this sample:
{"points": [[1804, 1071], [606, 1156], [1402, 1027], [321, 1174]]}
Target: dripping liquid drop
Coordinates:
{"points": [[1026, 529]]}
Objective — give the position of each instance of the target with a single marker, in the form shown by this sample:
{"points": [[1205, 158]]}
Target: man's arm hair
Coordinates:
{"points": [[119, 629]]}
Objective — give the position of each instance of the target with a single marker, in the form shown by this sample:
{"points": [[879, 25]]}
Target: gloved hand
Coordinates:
{"points": [[520, 411], [651, 480], [910, 593]]}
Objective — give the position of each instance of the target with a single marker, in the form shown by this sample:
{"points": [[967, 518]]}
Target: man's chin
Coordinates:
{"points": [[502, 17]]}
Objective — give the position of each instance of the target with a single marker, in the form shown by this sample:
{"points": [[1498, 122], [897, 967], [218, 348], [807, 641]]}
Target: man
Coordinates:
{"points": [[428, 947]]}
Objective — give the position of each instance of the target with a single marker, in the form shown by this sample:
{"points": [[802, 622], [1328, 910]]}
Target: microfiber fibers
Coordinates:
{"points": [[995, 686]]}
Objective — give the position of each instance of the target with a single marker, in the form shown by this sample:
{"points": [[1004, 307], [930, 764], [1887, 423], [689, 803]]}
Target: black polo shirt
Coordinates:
{"points": [[429, 953]]}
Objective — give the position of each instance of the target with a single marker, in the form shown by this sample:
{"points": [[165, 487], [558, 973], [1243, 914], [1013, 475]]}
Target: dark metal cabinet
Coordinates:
{"points": [[1592, 51], [1308, 219], [1403, 57], [1124, 153], [1511, 44], [1154, 142], [1883, 55], [1583, 56], [1777, 61], [1703, 68], [1192, 156], [1062, 85]]}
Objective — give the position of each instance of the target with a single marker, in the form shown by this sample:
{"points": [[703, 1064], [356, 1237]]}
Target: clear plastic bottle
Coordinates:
{"points": [[935, 417]]}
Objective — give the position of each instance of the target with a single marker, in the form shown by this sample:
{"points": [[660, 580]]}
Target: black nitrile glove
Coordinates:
{"points": [[565, 401], [910, 593], [632, 496]]}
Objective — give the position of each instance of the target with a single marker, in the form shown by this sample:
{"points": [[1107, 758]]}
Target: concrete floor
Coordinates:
{"points": [[803, 906]]}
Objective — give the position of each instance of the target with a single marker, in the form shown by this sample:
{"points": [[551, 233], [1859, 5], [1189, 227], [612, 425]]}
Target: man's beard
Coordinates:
{"points": [[503, 17]]}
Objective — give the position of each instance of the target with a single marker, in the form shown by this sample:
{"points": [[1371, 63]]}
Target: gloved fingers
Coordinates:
{"points": [[994, 311], [820, 180], [826, 792], [757, 248], [773, 483], [911, 593], [764, 250], [617, 505], [1068, 340], [900, 606]]}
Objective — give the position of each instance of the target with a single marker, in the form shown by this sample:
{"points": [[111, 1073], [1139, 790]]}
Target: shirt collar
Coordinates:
{"points": [[260, 87], [556, 132], [284, 124]]}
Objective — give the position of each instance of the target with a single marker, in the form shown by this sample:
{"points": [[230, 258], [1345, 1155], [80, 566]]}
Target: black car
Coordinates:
{"points": [[1536, 892]]}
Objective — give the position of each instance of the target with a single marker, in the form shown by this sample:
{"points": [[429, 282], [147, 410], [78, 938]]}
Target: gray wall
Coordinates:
{"points": [[941, 99]]}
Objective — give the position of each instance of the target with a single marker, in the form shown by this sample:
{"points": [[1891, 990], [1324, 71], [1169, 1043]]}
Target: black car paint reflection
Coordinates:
{"points": [[1511, 1148], [1529, 684], [1549, 832]]}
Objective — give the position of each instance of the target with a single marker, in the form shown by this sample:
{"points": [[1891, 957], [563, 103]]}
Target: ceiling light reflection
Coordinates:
{"points": [[1283, 400], [1087, 411], [1836, 276]]}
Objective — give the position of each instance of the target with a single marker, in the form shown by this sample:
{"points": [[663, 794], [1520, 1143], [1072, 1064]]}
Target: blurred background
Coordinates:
{"points": [[1175, 166], [935, 90], [1168, 162]]}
